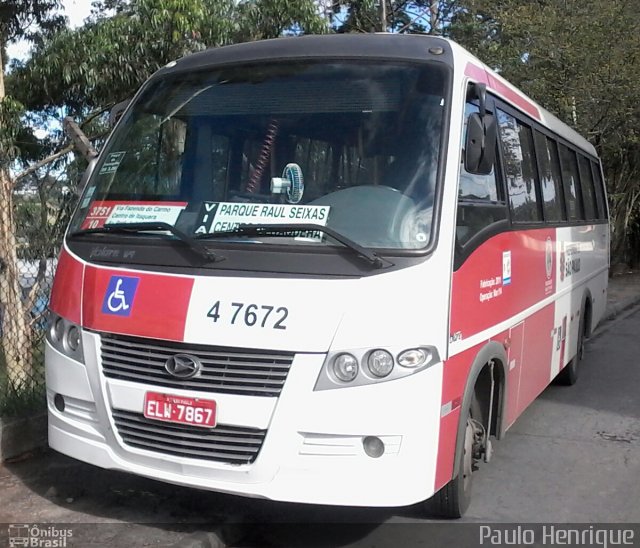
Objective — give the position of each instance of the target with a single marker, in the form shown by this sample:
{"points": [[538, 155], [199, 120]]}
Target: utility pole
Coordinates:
{"points": [[383, 15], [434, 16]]}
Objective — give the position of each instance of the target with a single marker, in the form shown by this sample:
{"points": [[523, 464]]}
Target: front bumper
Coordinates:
{"points": [[312, 451]]}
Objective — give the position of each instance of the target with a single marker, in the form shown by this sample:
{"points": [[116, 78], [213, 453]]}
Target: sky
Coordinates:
{"points": [[75, 10]]}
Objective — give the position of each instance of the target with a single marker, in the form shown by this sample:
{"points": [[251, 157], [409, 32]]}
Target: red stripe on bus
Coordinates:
{"points": [[481, 75], [158, 305], [66, 293]]}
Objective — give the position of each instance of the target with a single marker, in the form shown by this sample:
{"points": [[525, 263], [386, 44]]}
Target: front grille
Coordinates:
{"points": [[224, 370], [228, 444]]}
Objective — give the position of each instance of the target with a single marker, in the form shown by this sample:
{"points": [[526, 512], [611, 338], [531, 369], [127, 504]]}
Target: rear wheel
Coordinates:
{"points": [[569, 375], [453, 499]]}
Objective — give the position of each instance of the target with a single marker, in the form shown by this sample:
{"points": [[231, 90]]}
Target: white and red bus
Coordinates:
{"points": [[326, 269]]}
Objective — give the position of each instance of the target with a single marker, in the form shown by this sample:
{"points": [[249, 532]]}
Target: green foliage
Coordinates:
{"points": [[10, 113], [261, 19], [118, 53], [30, 19]]}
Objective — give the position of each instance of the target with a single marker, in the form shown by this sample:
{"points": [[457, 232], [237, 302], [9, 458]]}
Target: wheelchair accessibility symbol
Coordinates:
{"points": [[118, 299]]}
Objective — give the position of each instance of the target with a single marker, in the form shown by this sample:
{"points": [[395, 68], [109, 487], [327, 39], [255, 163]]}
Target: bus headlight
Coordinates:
{"points": [[73, 338], [380, 363], [57, 329], [361, 366], [345, 367], [65, 337]]}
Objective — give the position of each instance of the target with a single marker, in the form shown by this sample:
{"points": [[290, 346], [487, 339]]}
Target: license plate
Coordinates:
{"points": [[179, 409]]}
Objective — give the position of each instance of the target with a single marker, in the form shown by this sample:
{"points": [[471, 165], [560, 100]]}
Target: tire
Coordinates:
{"points": [[452, 501], [569, 375]]}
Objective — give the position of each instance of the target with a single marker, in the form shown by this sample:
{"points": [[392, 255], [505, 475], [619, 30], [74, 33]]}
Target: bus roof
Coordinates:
{"points": [[399, 47]]}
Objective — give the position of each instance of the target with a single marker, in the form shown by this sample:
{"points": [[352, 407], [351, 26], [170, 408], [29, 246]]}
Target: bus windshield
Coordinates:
{"points": [[351, 146]]}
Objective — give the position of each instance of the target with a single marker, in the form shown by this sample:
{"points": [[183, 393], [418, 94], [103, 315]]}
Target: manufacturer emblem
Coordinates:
{"points": [[183, 366]]}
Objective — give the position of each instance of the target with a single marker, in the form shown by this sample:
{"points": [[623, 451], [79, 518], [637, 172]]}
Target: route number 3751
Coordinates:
{"points": [[250, 314]]}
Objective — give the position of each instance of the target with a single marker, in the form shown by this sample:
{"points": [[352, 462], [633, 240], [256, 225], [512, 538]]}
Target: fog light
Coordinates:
{"points": [[374, 447], [58, 401], [380, 363], [345, 367]]}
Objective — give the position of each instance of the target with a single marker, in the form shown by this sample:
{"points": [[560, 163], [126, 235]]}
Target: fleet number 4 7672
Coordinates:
{"points": [[250, 314]]}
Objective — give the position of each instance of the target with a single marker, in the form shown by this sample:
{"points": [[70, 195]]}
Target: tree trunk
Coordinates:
{"points": [[1, 72], [16, 331]]}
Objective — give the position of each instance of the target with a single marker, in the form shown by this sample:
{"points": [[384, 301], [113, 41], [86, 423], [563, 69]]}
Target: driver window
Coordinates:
{"points": [[479, 202]]}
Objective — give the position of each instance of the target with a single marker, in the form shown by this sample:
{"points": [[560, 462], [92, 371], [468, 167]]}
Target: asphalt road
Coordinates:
{"points": [[573, 456]]}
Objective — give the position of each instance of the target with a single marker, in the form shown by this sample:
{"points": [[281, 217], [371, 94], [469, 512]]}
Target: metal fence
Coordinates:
{"points": [[29, 247]]}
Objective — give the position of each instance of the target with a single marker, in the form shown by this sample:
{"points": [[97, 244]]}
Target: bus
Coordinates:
{"points": [[323, 269]]}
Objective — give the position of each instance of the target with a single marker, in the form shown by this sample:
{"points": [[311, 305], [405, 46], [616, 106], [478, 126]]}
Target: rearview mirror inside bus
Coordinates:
{"points": [[480, 144]]}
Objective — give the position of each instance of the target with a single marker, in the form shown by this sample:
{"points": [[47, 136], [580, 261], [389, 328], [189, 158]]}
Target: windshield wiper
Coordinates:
{"points": [[124, 228], [286, 229]]}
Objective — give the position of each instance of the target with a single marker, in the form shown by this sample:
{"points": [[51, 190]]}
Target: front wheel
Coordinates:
{"points": [[453, 499]]}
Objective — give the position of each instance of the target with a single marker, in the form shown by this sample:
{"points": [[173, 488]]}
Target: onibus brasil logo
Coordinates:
{"points": [[39, 536]]}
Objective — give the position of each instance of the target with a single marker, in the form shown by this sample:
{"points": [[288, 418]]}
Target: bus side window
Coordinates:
{"points": [[550, 178], [479, 201], [588, 191], [519, 166], [600, 191], [571, 183]]}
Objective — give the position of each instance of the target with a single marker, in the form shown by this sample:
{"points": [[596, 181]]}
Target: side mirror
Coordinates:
{"points": [[480, 143], [117, 111], [478, 91]]}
